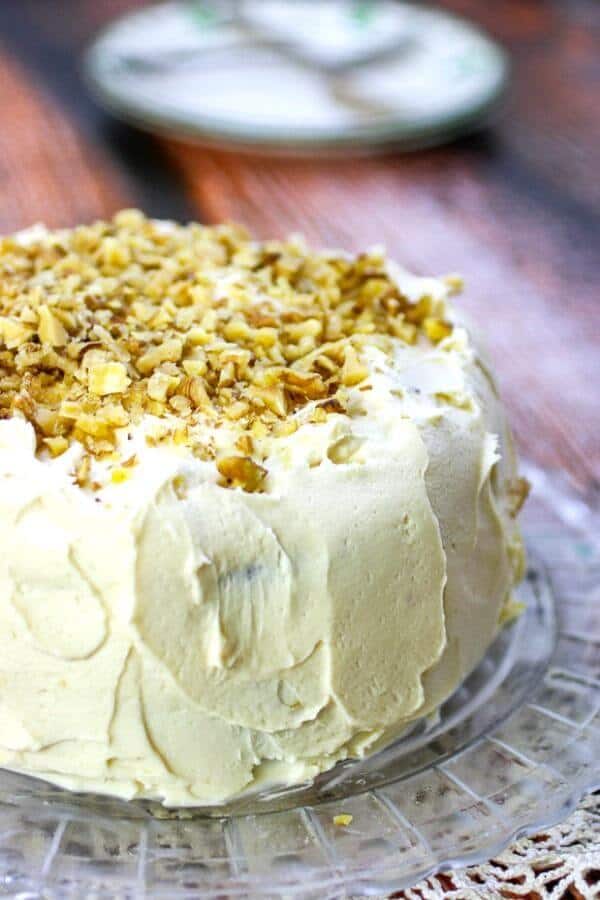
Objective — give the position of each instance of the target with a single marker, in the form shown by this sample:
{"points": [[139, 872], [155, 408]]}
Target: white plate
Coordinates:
{"points": [[298, 76]]}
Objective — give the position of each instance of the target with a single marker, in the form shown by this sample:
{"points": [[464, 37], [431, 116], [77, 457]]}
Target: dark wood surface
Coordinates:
{"points": [[515, 208]]}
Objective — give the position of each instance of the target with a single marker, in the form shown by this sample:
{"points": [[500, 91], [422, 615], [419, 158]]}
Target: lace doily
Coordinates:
{"points": [[561, 863]]}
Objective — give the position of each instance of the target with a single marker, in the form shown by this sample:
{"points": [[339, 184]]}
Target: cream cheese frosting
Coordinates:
{"points": [[165, 636]]}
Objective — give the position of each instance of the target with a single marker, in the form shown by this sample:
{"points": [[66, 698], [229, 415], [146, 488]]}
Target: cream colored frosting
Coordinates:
{"points": [[167, 637]]}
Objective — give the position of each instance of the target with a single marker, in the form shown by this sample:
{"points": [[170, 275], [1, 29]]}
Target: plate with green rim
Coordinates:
{"points": [[298, 77]]}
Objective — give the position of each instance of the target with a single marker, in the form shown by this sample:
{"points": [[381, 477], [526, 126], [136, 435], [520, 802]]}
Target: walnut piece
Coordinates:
{"points": [[107, 378], [241, 471]]}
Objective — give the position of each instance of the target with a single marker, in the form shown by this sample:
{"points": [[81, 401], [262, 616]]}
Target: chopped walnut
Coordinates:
{"points": [[107, 378], [197, 326], [82, 471], [353, 372], [436, 329], [342, 820], [517, 492], [241, 471], [50, 328]]}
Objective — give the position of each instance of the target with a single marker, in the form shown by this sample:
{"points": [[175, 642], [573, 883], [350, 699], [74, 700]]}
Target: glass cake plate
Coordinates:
{"points": [[512, 751]]}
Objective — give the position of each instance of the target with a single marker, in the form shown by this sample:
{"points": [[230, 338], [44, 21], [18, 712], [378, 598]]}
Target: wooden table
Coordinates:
{"points": [[516, 208]]}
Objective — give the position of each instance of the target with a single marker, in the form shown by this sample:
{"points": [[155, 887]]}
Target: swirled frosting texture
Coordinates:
{"points": [[168, 637]]}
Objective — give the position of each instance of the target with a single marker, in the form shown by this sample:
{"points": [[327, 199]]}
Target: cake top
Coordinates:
{"points": [[194, 326]]}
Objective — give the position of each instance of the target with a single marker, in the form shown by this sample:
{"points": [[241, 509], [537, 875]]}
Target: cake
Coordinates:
{"points": [[257, 507]]}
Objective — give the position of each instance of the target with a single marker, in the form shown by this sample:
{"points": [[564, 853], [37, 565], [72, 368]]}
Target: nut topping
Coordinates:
{"points": [[197, 326]]}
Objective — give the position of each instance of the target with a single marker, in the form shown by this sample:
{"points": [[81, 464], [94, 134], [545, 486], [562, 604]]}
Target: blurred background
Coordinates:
{"points": [[376, 127]]}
